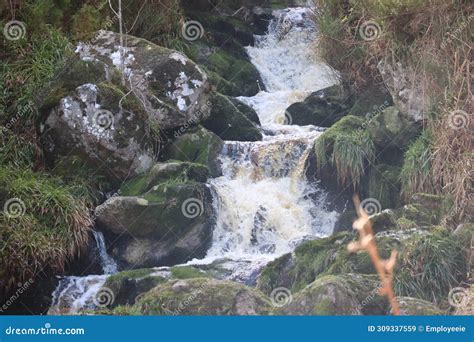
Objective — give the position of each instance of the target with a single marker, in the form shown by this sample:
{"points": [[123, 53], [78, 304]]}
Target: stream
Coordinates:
{"points": [[264, 205]]}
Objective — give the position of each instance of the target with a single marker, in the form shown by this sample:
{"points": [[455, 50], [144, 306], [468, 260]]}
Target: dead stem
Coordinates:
{"points": [[366, 242]]}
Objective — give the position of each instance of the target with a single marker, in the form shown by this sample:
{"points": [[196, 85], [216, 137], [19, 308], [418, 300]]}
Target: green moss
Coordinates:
{"points": [[384, 185], [187, 272]]}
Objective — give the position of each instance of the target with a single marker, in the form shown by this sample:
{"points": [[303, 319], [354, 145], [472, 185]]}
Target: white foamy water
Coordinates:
{"points": [[264, 205], [109, 266]]}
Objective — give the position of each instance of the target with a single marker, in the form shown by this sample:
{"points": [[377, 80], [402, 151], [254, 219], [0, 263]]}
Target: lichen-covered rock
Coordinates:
{"points": [[417, 307], [171, 87], [88, 126], [322, 108], [203, 296], [105, 109], [197, 145], [407, 93], [391, 129], [229, 123], [276, 274], [328, 295]]}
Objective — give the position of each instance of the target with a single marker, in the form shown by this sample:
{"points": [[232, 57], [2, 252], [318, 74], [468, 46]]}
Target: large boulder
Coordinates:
{"points": [[172, 88], [329, 295], [391, 129], [203, 296], [417, 307], [322, 108], [158, 221], [106, 108], [229, 123], [197, 145]]}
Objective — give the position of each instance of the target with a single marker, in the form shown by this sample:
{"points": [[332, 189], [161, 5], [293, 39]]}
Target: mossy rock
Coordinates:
{"points": [[426, 209], [384, 185], [245, 109], [229, 123], [276, 273], [241, 72], [326, 296], [326, 256], [188, 272], [392, 129], [385, 220], [197, 145], [322, 108], [417, 307], [203, 296], [162, 173], [127, 285]]}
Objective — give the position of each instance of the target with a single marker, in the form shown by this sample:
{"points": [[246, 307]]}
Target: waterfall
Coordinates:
{"points": [[108, 264], [74, 293], [264, 204]]}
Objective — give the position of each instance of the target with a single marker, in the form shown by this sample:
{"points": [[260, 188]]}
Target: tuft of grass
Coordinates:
{"points": [[430, 265], [416, 174], [346, 147], [51, 229]]}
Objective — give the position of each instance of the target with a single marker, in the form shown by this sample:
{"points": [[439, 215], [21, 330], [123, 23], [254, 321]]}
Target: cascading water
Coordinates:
{"points": [[264, 204], [109, 266], [75, 293]]}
